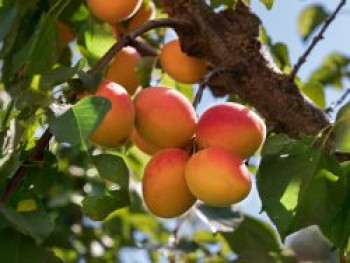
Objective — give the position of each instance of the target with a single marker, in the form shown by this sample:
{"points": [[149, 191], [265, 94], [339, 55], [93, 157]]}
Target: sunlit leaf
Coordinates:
{"points": [[310, 18], [76, 124], [298, 181], [342, 129]]}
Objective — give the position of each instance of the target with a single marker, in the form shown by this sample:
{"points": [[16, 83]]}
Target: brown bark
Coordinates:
{"points": [[229, 40]]}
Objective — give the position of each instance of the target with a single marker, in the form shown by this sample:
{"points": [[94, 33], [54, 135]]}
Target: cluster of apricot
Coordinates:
{"points": [[161, 122]]}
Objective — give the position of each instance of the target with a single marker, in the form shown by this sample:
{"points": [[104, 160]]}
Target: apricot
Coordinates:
{"points": [[112, 11], [65, 32], [118, 30], [146, 13], [164, 186], [142, 144], [233, 127], [123, 69], [164, 117], [179, 65], [118, 124], [217, 177]]}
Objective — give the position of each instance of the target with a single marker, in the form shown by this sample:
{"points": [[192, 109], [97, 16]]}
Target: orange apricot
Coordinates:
{"points": [[180, 66], [164, 186], [233, 127], [112, 11], [118, 124], [123, 69], [142, 144], [217, 177], [164, 117], [146, 13]]}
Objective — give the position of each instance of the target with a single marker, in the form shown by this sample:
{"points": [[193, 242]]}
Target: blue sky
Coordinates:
{"points": [[281, 23]]}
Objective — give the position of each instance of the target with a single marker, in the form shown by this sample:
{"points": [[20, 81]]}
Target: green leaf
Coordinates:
{"points": [[76, 124], [255, 241], [331, 71], [281, 55], [342, 129], [44, 43], [277, 143], [99, 207], [112, 168], [185, 89], [144, 69], [315, 92], [219, 218], [17, 248], [268, 3], [35, 224], [299, 181], [7, 18], [58, 76], [95, 40], [310, 18], [226, 3]]}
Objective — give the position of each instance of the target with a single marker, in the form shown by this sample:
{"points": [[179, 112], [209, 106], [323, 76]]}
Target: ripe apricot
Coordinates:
{"points": [[123, 69], [217, 177], [233, 127], [179, 65], [165, 191], [142, 144], [146, 13], [65, 32], [118, 124], [164, 117], [112, 11]]}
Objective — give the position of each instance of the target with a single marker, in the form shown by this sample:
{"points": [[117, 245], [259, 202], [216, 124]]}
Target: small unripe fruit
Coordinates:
{"points": [[65, 32], [179, 65], [112, 11], [143, 145], [217, 177], [164, 117], [123, 69], [28, 205], [165, 191], [233, 127], [118, 124]]}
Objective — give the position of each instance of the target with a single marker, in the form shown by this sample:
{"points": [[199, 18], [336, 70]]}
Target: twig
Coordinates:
{"points": [[144, 48], [316, 40], [339, 102], [39, 150], [129, 38], [206, 82], [36, 156]]}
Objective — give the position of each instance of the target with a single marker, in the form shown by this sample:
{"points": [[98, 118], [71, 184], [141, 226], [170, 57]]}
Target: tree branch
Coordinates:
{"points": [[229, 39], [317, 39]]}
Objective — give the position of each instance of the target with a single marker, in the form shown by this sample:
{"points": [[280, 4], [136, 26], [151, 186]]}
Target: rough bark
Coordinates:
{"points": [[229, 39]]}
